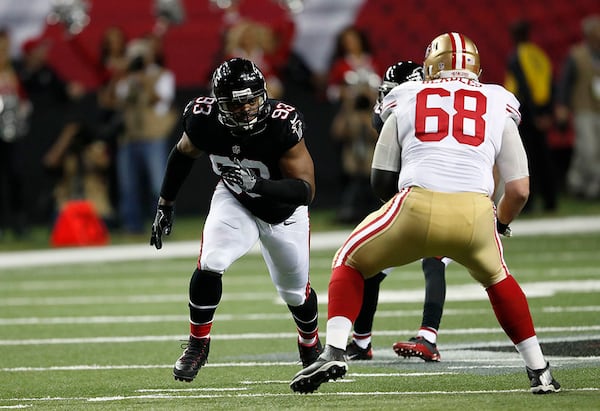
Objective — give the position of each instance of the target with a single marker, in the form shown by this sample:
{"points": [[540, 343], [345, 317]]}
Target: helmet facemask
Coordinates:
{"points": [[243, 110], [385, 88]]}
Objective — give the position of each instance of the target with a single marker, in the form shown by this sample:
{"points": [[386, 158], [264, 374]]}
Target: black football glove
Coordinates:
{"points": [[240, 176], [503, 229], [163, 223]]}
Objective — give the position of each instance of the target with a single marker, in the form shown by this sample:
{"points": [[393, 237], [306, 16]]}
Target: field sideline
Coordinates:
{"points": [[99, 328], [319, 241]]}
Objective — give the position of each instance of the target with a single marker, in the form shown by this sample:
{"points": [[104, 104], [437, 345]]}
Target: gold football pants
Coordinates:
{"points": [[418, 223]]}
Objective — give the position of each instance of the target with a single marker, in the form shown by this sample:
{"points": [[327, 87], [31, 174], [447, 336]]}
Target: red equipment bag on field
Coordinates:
{"points": [[78, 224]]}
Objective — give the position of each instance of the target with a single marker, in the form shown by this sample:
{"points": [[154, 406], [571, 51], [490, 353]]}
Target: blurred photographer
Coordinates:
{"points": [[352, 128], [14, 112], [144, 96]]}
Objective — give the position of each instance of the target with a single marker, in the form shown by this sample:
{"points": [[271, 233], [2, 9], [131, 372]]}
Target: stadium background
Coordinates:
{"points": [[396, 30]]}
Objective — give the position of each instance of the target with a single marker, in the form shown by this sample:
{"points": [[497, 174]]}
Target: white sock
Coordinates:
{"points": [[307, 341], [429, 334], [531, 352], [338, 329], [362, 340]]}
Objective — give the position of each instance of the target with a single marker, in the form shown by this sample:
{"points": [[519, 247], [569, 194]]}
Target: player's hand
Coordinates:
{"points": [[163, 223], [240, 176], [503, 229]]}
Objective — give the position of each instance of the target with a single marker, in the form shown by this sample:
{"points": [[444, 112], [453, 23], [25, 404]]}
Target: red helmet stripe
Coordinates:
{"points": [[459, 58]]}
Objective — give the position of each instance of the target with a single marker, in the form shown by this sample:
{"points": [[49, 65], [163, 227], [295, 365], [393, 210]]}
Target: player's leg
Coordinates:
{"points": [[285, 248], [360, 347], [222, 244], [510, 304], [372, 247], [128, 162], [424, 345]]}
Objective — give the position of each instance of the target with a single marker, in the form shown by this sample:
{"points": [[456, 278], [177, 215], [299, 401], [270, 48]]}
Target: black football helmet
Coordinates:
{"points": [[240, 90], [398, 73]]}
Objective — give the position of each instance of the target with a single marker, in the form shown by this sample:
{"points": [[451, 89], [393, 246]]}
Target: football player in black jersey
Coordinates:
{"points": [[256, 146], [424, 344]]}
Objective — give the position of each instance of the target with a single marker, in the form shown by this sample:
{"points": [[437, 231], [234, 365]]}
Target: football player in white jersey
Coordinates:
{"points": [[423, 345], [447, 132]]}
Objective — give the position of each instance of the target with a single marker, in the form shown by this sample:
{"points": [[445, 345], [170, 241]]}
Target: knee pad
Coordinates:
{"points": [[216, 262], [293, 298]]}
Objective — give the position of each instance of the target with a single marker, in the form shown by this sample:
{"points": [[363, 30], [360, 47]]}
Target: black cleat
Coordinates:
{"points": [[542, 381], [354, 352], [309, 354], [330, 365], [417, 347], [194, 357]]}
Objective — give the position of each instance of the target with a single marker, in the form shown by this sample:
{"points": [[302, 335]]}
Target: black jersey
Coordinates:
{"points": [[376, 120], [260, 151]]}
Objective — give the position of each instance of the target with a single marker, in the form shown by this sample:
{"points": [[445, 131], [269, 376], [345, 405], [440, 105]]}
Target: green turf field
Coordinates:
{"points": [[106, 335]]}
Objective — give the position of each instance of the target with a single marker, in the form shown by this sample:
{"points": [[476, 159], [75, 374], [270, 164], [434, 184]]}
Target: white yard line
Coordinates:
{"points": [[137, 319], [319, 241], [271, 336], [165, 396]]}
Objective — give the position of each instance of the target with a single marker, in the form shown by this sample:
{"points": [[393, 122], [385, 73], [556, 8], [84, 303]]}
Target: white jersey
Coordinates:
{"points": [[450, 132]]}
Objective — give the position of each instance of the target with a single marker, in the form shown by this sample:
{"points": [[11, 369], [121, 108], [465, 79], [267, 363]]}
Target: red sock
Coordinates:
{"points": [[200, 331], [511, 309], [345, 292]]}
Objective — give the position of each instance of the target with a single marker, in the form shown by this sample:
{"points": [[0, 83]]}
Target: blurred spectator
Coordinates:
{"points": [[255, 42], [39, 78], [81, 162], [113, 66], [76, 159], [529, 77], [54, 101], [352, 88], [145, 96], [279, 29], [352, 54], [14, 109], [353, 130], [81, 158], [579, 99], [112, 52]]}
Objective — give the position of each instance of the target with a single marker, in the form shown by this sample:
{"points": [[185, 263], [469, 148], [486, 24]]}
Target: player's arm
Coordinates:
{"points": [[512, 167], [298, 185], [385, 168], [179, 164]]}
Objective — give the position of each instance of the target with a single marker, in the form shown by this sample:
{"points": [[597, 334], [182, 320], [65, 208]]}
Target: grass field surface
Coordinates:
{"points": [[103, 334]]}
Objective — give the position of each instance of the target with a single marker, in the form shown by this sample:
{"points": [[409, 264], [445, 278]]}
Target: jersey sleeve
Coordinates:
{"points": [[292, 126], [389, 103], [512, 104], [376, 121], [198, 115], [188, 118]]}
